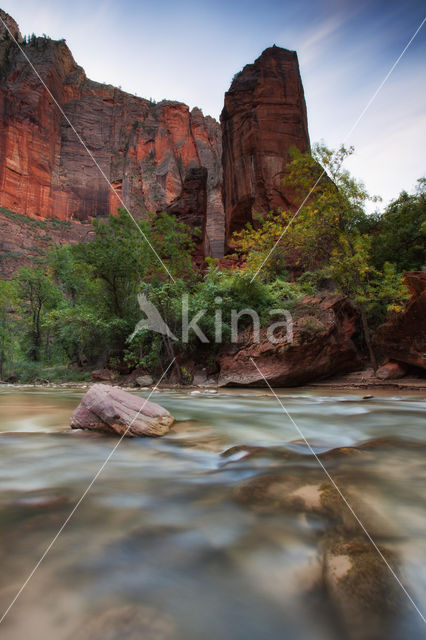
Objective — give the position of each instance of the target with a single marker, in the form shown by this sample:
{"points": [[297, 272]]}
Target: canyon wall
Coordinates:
{"points": [[263, 117], [145, 150], [156, 156]]}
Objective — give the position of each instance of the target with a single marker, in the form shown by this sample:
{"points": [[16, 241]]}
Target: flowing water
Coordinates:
{"points": [[177, 541]]}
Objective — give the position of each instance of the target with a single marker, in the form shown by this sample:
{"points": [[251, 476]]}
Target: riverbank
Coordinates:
{"points": [[357, 381], [366, 380]]}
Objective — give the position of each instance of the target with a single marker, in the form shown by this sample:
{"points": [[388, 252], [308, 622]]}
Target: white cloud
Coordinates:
{"points": [[315, 42]]}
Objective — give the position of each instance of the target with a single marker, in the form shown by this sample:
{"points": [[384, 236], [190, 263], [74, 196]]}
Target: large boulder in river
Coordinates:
{"points": [[320, 346], [113, 410]]}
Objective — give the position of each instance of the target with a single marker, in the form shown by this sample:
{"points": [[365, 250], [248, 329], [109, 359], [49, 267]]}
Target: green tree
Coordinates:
{"points": [[373, 291], [81, 323], [217, 292], [305, 239], [399, 234], [328, 234], [36, 294], [7, 326], [120, 263]]}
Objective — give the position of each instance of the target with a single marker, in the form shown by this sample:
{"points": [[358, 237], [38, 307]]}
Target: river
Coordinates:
{"points": [[177, 541]]}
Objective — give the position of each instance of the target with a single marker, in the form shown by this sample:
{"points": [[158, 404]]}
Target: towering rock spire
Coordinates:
{"points": [[263, 117]]}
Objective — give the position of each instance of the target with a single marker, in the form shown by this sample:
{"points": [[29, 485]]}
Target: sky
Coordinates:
{"points": [[189, 51]]}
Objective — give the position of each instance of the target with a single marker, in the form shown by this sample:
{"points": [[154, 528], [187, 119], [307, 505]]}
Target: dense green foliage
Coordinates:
{"points": [[399, 234], [78, 308], [331, 236]]}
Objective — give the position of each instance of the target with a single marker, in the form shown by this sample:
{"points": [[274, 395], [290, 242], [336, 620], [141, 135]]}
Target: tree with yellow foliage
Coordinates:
{"points": [[328, 232]]}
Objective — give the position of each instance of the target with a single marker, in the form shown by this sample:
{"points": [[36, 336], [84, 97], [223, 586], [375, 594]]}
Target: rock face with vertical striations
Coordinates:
{"points": [[263, 117], [145, 150], [154, 155]]}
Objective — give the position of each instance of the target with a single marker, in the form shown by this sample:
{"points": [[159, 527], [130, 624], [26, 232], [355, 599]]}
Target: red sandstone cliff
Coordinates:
{"points": [[146, 150], [263, 117]]}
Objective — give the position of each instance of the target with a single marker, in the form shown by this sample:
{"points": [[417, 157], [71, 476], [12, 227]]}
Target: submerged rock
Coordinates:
{"points": [[282, 491], [366, 596], [192, 434], [128, 621], [113, 410], [295, 450]]}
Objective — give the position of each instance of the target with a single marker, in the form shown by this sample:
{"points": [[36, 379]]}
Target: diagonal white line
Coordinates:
{"points": [[80, 500], [80, 139], [355, 124], [379, 88], [299, 431]]}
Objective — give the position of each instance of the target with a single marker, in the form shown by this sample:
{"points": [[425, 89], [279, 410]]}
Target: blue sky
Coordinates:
{"points": [[189, 50]]}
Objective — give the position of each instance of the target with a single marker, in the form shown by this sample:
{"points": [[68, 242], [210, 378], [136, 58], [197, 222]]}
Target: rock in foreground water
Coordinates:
{"points": [[113, 410]]}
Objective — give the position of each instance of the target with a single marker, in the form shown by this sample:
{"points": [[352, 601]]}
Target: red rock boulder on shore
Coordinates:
{"points": [[104, 375], [391, 370], [403, 336], [320, 346]]}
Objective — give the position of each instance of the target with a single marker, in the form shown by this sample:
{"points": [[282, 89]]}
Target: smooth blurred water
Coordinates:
{"points": [[163, 547]]}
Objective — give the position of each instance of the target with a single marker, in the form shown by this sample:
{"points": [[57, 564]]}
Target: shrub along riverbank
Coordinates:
{"points": [[77, 309]]}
